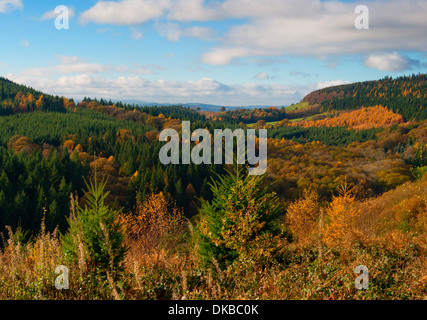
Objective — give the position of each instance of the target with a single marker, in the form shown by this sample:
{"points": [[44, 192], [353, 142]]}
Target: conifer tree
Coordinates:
{"points": [[95, 230], [239, 224]]}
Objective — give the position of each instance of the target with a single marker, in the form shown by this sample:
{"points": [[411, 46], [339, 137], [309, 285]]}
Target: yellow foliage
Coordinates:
{"points": [[152, 221], [79, 148], [302, 217], [22, 144], [339, 215], [69, 144]]}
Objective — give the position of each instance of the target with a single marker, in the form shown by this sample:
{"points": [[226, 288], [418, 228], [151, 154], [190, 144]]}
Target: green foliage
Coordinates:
{"points": [[270, 114], [419, 172], [9, 89], [31, 184], [95, 235], [394, 177], [239, 224], [97, 133], [333, 136]]}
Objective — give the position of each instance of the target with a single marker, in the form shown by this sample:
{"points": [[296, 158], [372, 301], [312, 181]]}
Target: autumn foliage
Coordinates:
{"points": [[152, 221], [360, 119]]}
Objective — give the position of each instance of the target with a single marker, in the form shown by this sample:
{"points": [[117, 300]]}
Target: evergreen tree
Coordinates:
{"points": [[96, 227], [238, 225]]}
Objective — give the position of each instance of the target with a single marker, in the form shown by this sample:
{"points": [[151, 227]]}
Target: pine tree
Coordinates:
{"points": [[96, 227], [239, 224]]}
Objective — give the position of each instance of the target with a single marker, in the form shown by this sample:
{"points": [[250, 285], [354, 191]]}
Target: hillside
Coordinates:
{"points": [[406, 96], [359, 119]]}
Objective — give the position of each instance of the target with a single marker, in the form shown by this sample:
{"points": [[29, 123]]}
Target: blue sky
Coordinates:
{"points": [[230, 52]]}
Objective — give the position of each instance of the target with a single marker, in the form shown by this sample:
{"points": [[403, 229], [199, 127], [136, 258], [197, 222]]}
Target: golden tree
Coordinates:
{"points": [[302, 217], [340, 215], [152, 221]]}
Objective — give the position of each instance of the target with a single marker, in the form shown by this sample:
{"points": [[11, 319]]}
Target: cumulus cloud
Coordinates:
{"points": [[390, 62], [76, 77], [204, 90], [174, 32], [200, 10], [125, 12], [325, 84], [10, 5], [321, 29], [53, 15], [276, 28]]}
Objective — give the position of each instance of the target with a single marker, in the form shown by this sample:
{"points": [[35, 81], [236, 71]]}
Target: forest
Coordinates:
{"points": [[403, 95], [81, 185]]}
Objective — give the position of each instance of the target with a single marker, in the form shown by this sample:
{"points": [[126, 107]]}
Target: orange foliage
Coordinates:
{"points": [[152, 221], [302, 216], [152, 135], [22, 144], [104, 165], [340, 214], [360, 119], [69, 144]]}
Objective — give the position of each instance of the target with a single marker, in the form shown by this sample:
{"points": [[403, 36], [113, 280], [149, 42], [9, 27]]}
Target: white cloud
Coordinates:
{"points": [[276, 28], [198, 10], [390, 62], [321, 85], [10, 5], [268, 61], [261, 76], [75, 65], [125, 12], [204, 90], [53, 15], [174, 32], [264, 76], [321, 29], [73, 76]]}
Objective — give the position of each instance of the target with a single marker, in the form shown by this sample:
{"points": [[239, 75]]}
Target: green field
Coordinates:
{"points": [[310, 117], [297, 106], [251, 125]]}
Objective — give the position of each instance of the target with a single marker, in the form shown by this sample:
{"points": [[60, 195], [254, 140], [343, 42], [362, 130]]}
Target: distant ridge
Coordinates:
{"points": [[202, 106]]}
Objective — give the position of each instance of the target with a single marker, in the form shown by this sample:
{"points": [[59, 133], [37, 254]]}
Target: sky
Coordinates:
{"points": [[228, 52]]}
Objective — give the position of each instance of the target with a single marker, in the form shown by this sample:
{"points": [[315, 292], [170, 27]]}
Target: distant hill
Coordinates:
{"points": [[195, 105], [16, 98], [406, 96], [9, 90]]}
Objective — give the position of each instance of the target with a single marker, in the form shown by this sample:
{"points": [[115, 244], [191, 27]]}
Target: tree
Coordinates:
{"points": [[340, 215], [238, 226], [152, 222], [2, 93], [95, 235], [302, 217]]}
